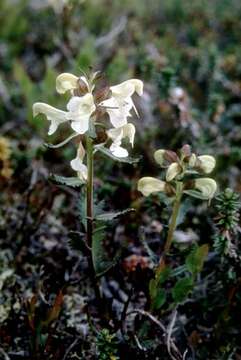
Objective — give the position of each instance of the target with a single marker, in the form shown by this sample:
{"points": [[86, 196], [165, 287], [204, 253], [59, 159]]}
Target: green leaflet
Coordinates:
{"points": [[56, 146], [195, 193], [69, 181], [181, 289], [102, 263], [108, 216], [195, 260], [107, 152]]}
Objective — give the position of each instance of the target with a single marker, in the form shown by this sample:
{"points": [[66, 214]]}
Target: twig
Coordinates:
{"points": [[6, 357], [116, 30], [124, 312], [177, 353], [70, 348], [169, 332], [139, 344]]}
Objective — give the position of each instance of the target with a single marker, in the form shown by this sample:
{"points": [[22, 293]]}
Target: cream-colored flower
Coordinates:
{"points": [[119, 105], [149, 185], [206, 186], [117, 135], [80, 110], [55, 116], [172, 171], [159, 156], [206, 163], [77, 163]]}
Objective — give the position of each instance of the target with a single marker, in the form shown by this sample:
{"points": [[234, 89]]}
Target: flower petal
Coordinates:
{"points": [[173, 170], [206, 186], [66, 82], [81, 169], [81, 126], [159, 156], [148, 185], [81, 105], [77, 163], [207, 163], [118, 151], [80, 110], [129, 131], [55, 116], [127, 88]]}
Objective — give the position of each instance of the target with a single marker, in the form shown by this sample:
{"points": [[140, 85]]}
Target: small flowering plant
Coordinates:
{"points": [[185, 174], [90, 109]]}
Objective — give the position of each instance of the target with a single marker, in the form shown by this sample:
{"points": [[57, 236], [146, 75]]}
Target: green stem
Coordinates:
{"points": [[173, 222], [90, 212], [89, 189]]}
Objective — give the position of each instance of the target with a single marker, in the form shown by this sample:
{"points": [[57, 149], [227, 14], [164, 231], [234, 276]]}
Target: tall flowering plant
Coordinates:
{"points": [[85, 113]]}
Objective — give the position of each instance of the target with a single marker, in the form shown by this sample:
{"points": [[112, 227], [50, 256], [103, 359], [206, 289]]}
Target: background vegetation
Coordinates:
{"points": [[47, 305]]}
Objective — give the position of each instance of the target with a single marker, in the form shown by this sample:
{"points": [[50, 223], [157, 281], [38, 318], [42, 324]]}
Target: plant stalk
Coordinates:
{"points": [[90, 213], [89, 189], [173, 222]]}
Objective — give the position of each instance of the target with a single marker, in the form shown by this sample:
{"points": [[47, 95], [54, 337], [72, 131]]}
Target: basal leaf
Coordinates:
{"points": [[101, 260], [159, 299], [195, 260], [181, 289]]}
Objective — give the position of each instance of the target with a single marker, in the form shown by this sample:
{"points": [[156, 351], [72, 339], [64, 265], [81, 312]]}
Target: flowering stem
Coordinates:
{"points": [[90, 213], [174, 216], [89, 197]]}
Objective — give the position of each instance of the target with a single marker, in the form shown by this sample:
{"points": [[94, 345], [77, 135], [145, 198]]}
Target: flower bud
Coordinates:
{"points": [[173, 170], [186, 150], [170, 156], [206, 186], [206, 163], [148, 185]]}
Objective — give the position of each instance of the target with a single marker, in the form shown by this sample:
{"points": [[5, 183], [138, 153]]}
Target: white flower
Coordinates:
{"points": [[148, 185], [55, 116], [77, 163], [206, 186], [80, 110], [120, 103], [206, 163], [117, 134], [173, 170]]}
